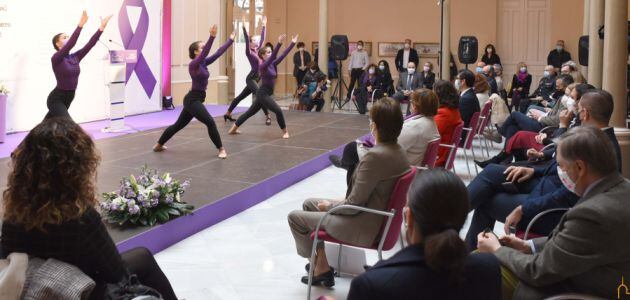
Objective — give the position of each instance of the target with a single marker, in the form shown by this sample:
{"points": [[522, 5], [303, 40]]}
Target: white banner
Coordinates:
{"points": [[26, 31]]}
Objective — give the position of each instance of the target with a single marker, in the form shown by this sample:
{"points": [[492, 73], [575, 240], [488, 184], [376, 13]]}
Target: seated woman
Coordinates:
{"points": [[313, 87], [482, 89], [428, 77], [387, 83], [447, 117], [370, 81], [372, 183], [49, 209], [521, 82], [436, 264]]}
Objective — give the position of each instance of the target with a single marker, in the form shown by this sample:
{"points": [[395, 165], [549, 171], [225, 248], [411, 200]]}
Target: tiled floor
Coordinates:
{"points": [[252, 255]]}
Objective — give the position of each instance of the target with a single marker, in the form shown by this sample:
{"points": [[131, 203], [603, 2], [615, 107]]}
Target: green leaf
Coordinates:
{"points": [[174, 212], [144, 222], [152, 220], [162, 216]]}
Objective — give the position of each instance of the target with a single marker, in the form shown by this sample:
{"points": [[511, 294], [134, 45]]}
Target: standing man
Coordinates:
{"points": [[359, 61], [406, 55], [301, 59], [558, 56]]}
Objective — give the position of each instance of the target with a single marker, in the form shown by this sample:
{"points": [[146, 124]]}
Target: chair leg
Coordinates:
{"points": [[472, 149], [339, 261], [467, 164], [311, 270], [480, 146], [380, 255], [402, 243]]}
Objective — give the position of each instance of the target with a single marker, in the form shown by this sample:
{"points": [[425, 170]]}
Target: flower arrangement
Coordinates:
{"points": [[3, 89], [146, 200]]}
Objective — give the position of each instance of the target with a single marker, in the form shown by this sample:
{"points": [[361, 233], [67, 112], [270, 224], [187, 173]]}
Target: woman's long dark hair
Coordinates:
{"points": [[386, 71], [447, 93], [438, 200]]}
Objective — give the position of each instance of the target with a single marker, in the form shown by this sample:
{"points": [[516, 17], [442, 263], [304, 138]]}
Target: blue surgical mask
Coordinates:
{"points": [[546, 74], [479, 69]]}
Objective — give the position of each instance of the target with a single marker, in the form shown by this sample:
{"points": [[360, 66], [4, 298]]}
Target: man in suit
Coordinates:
{"points": [[408, 81], [301, 59], [406, 55], [468, 102], [586, 252], [538, 188]]}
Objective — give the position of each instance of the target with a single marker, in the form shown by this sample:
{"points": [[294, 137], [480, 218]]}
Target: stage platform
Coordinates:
{"points": [[260, 163]]}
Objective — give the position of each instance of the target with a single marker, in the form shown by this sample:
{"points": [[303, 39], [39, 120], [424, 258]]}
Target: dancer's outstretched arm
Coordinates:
{"points": [[65, 50], [210, 59], [206, 48], [287, 50], [84, 51]]}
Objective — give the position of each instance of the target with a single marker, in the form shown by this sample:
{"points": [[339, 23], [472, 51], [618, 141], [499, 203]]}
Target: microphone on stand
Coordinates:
{"points": [[108, 49], [116, 43]]}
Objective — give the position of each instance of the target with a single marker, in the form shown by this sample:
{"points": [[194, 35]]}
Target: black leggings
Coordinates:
{"points": [[140, 261], [263, 99], [250, 88], [350, 161], [58, 103], [193, 108]]}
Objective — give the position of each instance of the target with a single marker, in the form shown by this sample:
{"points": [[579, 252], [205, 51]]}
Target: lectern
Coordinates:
{"points": [[115, 80]]}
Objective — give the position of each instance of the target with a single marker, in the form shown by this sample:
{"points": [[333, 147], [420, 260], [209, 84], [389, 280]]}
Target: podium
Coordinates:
{"points": [[115, 80]]}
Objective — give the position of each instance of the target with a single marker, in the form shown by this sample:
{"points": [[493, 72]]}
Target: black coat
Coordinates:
{"points": [[413, 56], [493, 59], [427, 80], [556, 59], [517, 84], [407, 276], [296, 61], [468, 106]]}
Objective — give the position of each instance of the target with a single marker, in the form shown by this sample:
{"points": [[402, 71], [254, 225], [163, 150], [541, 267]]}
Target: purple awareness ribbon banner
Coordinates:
{"points": [[135, 41]]}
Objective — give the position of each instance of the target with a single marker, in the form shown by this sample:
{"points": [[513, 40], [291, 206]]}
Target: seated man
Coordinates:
{"points": [[534, 122], [488, 71], [468, 101], [372, 184], [534, 189], [313, 86], [543, 96], [408, 81], [584, 253]]}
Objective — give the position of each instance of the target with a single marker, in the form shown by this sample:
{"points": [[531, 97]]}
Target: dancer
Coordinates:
{"points": [[66, 67], [251, 51], [268, 74], [193, 101]]}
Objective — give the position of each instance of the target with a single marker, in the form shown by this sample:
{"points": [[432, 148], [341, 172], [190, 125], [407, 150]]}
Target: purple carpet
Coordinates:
{"points": [[136, 123]]}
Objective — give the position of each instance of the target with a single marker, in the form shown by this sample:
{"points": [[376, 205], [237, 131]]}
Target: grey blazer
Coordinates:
{"points": [[553, 117], [587, 252], [416, 83], [372, 184]]}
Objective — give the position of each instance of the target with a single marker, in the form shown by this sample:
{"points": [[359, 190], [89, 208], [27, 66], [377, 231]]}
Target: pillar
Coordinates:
{"points": [[446, 40], [323, 45], [595, 44], [614, 72], [585, 29]]}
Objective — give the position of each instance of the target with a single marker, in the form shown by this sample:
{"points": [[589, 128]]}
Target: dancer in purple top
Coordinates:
{"points": [[66, 67], [268, 74], [251, 51], [193, 101]]}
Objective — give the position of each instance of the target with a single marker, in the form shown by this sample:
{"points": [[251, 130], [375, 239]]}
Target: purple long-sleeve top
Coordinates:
{"points": [[252, 56], [66, 65], [267, 69], [198, 67]]}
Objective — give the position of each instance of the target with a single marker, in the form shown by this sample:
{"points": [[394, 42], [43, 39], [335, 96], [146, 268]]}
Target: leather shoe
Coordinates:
{"points": [[327, 279]]}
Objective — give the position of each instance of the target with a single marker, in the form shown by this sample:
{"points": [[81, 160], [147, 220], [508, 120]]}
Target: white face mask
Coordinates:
{"points": [[371, 71], [382, 68], [546, 74], [411, 70], [300, 49], [559, 48], [523, 70], [407, 46], [566, 180], [426, 69], [571, 105], [360, 47], [564, 100], [458, 84], [489, 50]]}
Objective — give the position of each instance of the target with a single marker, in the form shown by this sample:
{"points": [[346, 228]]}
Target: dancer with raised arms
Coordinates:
{"points": [[193, 101], [66, 67], [268, 74]]}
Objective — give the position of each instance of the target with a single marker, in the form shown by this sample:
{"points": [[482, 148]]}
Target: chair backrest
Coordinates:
{"points": [[474, 125], [457, 137], [431, 154], [397, 201], [484, 116]]}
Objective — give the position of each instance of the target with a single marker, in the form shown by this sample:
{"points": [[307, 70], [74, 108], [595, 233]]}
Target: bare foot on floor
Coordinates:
{"points": [[159, 148], [234, 130], [222, 154], [285, 135]]}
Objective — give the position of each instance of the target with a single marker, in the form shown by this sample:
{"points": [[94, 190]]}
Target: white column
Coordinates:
{"points": [[322, 51], [595, 44], [446, 41]]}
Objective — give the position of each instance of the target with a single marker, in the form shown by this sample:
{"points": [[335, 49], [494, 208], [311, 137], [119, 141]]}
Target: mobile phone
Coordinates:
{"points": [[510, 187]]}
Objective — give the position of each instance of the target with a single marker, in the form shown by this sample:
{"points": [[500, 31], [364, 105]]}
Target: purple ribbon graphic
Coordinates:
{"points": [[135, 41]]}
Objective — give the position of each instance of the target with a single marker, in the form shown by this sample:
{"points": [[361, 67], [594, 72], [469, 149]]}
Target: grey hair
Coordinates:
{"points": [[590, 145], [497, 67]]}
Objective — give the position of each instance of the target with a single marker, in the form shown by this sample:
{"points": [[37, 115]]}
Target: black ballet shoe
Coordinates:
{"points": [[499, 158], [307, 267], [268, 121], [327, 279], [226, 118]]}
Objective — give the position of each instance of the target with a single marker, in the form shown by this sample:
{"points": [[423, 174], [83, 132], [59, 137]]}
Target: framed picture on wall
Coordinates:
{"points": [[427, 49], [351, 46], [386, 49]]}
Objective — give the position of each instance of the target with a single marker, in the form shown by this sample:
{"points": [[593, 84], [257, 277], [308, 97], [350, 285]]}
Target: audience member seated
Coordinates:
{"points": [[408, 81], [533, 189], [418, 130], [436, 264], [387, 83], [479, 68], [570, 68], [428, 77], [543, 95], [521, 81], [313, 87], [447, 117], [558, 56], [498, 73], [468, 102], [371, 186], [488, 72], [370, 81], [531, 122], [583, 254], [482, 89], [405, 55], [490, 56], [526, 145], [49, 209]]}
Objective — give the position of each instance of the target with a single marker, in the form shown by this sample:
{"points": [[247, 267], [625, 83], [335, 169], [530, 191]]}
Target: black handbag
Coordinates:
{"points": [[129, 288]]}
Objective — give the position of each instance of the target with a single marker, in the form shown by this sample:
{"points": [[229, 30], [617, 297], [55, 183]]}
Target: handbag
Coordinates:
{"points": [[130, 288]]}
